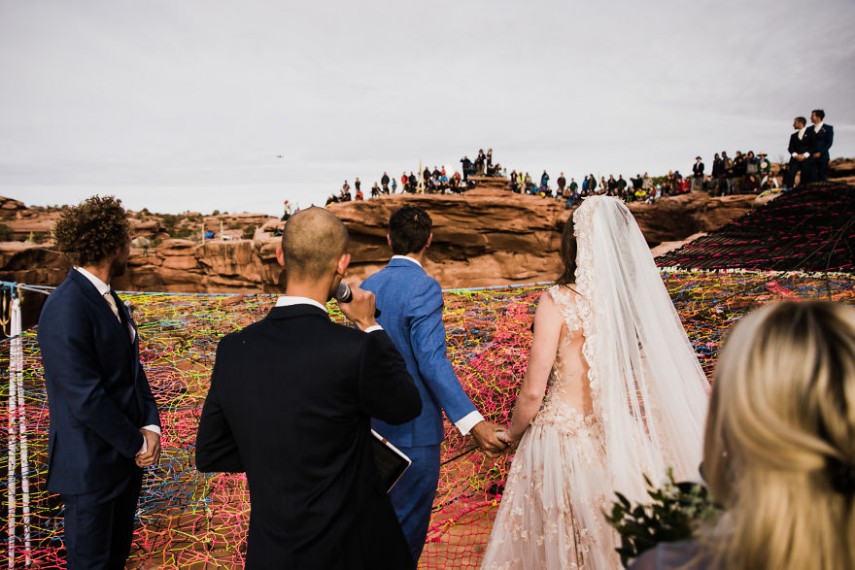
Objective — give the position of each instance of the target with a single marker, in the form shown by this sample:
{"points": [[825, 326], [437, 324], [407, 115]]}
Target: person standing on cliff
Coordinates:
{"points": [[411, 313], [800, 160], [698, 175], [104, 424], [822, 139]]}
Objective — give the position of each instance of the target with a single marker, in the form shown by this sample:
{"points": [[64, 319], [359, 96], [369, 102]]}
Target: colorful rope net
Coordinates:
{"points": [[189, 519]]}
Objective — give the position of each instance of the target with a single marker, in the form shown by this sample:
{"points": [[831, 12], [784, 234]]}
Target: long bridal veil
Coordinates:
{"points": [[646, 383]]}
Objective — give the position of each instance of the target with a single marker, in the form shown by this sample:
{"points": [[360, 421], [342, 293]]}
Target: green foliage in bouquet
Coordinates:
{"points": [[675, 513]]}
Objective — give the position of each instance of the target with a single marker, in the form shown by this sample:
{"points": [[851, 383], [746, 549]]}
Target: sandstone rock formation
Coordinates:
{"points": [[842, 170], [486, 236]]}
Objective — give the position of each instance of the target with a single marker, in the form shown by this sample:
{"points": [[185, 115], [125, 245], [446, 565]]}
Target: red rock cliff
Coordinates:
{"points": [[484, 237]]}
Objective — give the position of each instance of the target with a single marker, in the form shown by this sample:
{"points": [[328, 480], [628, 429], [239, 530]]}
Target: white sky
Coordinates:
{"points": [[184, 105]]}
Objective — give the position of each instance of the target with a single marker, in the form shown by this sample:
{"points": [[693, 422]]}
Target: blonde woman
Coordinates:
{"points": [[779, 449]]}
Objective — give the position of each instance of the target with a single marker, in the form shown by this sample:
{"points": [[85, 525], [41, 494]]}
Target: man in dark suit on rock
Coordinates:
{"points": [[290, 403], [822, 138], [697, 175], [104, 425], [800, 155]]}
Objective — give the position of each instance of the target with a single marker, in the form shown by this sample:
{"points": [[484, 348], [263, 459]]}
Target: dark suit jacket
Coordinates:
{"points": [[822, 140], [800, 146], [98, 394], [290, 403]]}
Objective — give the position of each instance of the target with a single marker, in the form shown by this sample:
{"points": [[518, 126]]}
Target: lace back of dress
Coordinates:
{"points": [[568, 382], [566, 304]]}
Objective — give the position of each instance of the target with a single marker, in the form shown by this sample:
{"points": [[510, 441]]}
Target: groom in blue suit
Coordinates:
{"points": [[411, 313], [104, 425]]}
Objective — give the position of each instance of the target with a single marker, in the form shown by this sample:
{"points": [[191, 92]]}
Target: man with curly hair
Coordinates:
{"points": [[104, 425]]}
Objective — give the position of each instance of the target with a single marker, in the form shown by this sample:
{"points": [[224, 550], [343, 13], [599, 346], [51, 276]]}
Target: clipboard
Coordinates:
{"points": [[391, 462]]}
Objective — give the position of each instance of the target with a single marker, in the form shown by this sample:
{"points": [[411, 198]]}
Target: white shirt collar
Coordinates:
{"points": [[408, 258], [818, 126], [102, 287], [291, 300], [802, 132]]}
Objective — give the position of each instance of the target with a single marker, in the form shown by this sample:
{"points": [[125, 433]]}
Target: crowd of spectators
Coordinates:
{"points": [[751, 174], [744, 173], [482, 165], [640, 188]]}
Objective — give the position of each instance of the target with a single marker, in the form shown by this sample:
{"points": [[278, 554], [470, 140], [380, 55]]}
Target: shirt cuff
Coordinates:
{"points": [[469, 421], [373, 328], [155, 429]]}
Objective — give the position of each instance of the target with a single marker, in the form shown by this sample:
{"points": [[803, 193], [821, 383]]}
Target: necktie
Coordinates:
{"points": [[112, 302]]}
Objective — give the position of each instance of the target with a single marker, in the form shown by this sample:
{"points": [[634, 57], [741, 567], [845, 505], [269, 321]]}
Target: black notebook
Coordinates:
{"points": [[391, 463]]}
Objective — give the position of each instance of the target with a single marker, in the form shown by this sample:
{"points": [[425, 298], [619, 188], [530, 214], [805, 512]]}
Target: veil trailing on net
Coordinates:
{"points": [[646, 384]]}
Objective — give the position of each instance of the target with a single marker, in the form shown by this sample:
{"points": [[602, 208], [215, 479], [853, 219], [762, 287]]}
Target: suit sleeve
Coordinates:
{"points": [[68, 353], [150, 414], [427, 337], [386, 390], [216, 448]]}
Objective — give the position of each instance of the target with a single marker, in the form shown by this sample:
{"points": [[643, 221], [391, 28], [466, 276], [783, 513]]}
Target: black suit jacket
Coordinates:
{"points": [[801, 146], [98, 394], [290, 404]]}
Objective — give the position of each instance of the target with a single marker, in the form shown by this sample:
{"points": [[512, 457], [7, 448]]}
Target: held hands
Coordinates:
{"points": [[505, 435], [486, 435], [360, 310], [151, 449]]}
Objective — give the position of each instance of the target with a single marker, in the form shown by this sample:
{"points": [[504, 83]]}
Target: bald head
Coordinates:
{"points": [[312, 243]]}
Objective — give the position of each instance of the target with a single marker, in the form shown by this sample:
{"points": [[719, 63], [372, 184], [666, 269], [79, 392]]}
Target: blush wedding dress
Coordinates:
{"points": [[625, 398]]}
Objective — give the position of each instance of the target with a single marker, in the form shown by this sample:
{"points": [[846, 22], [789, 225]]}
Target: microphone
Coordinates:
{"points": [[344, 295]]}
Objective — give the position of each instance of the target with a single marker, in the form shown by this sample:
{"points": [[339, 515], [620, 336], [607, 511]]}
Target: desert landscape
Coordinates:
{"points": [[484, 237]]}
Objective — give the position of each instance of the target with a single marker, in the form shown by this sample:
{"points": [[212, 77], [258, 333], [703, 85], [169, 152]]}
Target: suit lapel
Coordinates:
{"points": [[127, 319], [102, 309]]}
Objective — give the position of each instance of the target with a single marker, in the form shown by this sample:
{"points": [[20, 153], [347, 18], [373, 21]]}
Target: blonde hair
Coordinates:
{"points": [[779, 446]]}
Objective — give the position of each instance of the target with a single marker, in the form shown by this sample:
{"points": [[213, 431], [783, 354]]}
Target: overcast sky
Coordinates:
{"points": [[186, 105]]}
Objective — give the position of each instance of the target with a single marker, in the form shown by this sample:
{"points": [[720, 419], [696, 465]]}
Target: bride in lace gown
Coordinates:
{"points": [[613, 391]]}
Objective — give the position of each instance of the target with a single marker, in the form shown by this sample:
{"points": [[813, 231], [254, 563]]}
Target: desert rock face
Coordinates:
{"points": [[486, 236], [483, 237], [842, 170], [491, 237]]}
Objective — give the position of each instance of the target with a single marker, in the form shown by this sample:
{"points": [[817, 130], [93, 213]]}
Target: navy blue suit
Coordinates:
{"points": [[822, 142], [98, 399], [411, 313]]}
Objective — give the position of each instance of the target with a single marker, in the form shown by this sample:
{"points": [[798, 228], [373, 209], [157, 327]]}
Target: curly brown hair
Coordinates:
{"points": [[92, 230]]}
